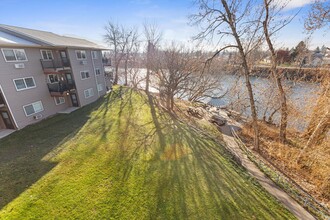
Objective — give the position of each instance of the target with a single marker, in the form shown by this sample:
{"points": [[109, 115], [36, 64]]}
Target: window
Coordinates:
{"points": [[59, 100], [24, 83], [99, 87], [94, 55], [12, 55], [97, 71], [81, 54], [53, 78], [33, 108], [88, 93], [46, 54], [84, 74]]}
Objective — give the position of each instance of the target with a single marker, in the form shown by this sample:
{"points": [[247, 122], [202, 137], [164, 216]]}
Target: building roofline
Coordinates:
{"points": [[44, 43], [5, 29]]}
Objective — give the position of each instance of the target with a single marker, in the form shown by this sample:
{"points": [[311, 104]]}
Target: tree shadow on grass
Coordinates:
{"points": [[22, 153], [200, 178]]}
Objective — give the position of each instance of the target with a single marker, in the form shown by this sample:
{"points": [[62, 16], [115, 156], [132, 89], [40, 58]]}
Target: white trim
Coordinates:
{"points": [[12, 61], [94, 52], [98, 87], [90, 93], [18, 90], [42, 107], [99, 71], [81, 58], [59, 98], [51, 52], [8, 106], [89, 76]]}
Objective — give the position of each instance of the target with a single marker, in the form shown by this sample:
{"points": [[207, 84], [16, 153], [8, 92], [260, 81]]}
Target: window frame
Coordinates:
{"points": [[81, 52], [59, 98], [51, 52], [90, 94], [97, 74], [35, 85], [85, 71], [49, 81], [42, 108], [98, 86], [95, 54], [12, 61]]}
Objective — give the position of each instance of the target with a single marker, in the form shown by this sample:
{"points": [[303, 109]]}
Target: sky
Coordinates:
{"points": [[86, 18]]}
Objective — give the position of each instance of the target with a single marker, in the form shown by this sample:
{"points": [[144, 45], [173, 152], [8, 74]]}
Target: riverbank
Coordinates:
{"points": [[293, 73], [311, 172]]}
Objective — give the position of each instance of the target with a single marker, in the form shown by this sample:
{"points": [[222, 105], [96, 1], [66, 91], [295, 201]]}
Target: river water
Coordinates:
{"points": [[301, 98]]}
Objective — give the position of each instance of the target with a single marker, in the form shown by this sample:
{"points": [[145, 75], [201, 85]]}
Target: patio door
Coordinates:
{"points": [[74, 100], [64, 58], [68, 77], [6, 119]]}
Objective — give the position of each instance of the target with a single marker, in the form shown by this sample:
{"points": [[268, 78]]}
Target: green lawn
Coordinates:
{"points": [[123, 158]]}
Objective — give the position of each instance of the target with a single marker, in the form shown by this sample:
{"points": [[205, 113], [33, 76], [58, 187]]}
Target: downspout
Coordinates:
{"points": [[7, 104], [73, 76], [97, 85], [103, 69]]}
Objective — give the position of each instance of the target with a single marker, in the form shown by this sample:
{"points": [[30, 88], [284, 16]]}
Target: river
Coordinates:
{"points": [[301, 97]]}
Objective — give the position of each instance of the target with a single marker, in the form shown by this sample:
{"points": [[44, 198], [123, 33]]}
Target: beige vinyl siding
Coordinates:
{"points": [[17, 99], [82, 85]]}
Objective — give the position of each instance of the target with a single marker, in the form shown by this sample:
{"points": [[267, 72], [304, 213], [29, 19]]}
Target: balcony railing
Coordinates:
{"points": [[106, 61], [59, 88], [55, 64]]}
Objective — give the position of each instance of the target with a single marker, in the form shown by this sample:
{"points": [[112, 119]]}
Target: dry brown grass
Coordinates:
{"points": [[312, 172]]}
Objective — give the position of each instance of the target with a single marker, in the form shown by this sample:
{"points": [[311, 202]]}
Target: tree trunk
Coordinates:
{"points": [[284, 111], [320, 109], [148, 67], [246, 73], [253, 111], [147, 80], [277, 77], [115, 80], [172, 102], [321, 129], [126, 67]]}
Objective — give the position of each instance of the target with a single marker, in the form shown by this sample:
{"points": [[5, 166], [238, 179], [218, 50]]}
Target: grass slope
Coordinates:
{"points": [[123, 158]]}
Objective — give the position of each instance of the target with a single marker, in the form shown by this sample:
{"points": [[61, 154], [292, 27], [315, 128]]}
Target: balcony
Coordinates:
{"points": [[63, 64], [106, 61], [59, 88]]}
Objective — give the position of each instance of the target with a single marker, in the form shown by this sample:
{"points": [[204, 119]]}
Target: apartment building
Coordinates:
{"points": [[42, 73]]}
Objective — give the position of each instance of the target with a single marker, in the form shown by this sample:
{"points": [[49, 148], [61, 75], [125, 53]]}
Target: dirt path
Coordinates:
{"points": [[268, 184]]}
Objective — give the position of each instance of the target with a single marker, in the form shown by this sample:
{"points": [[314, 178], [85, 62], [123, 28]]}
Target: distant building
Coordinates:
{"points": [[267, 60], [326, 60]]}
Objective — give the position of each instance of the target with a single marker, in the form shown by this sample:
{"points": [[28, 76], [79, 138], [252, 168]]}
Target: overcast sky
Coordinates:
{"points": [[86, 18]]}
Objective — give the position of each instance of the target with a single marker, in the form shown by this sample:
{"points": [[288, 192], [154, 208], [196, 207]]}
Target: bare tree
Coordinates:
{"points": [[153, 37], [203, 82], [270, 27], [319, 125], [116, 37], [319, 16], [131, 39], [174, 67], [239, 21]]}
